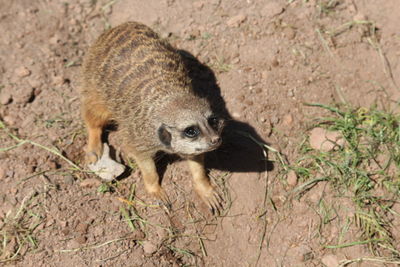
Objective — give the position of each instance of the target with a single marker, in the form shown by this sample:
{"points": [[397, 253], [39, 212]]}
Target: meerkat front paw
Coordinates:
{"points": [[159, 194], [210, 196], [93, 154]]}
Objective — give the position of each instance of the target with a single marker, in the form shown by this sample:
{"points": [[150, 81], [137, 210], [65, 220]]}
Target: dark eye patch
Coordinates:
{"points": [[213, 122], [191, 132]]}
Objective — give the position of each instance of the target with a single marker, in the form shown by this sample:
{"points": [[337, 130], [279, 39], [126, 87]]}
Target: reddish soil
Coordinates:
{"points": [[268, 59]]}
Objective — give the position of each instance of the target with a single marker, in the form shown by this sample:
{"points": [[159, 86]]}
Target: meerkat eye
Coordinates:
{"points": [[191, 132], [213, 121]]}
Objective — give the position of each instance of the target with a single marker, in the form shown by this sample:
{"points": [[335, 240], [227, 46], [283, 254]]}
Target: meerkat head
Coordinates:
{"points": [[190, 128]]}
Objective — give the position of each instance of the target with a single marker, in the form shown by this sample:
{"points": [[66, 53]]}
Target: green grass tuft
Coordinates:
{"points": [[365, 169]]}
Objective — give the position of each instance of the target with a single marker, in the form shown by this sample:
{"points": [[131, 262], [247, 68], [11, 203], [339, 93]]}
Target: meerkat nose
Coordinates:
{"points": [[215, 140]]}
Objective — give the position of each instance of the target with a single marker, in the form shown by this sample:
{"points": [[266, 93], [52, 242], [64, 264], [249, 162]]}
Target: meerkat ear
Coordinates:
{"points": [[164, 136]]}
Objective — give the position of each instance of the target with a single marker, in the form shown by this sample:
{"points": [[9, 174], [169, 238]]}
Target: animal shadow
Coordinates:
{"points": [[241, 150]]}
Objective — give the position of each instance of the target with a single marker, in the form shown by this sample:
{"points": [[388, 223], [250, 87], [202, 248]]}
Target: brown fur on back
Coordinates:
{"points": [[133, 76]]}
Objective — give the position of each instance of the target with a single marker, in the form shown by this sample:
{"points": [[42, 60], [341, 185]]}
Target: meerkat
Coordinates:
{"points": [[134, 78]]}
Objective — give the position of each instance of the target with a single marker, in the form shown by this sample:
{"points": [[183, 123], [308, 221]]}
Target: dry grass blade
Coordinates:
{"points": [[26, 141], [16, 232], [368, 259], [94, 245]]}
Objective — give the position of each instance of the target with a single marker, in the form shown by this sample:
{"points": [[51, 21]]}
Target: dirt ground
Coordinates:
{"points": [[268, 58]]}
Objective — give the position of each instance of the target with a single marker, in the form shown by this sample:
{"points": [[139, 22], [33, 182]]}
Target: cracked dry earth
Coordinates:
{"points": [[268, 58]]}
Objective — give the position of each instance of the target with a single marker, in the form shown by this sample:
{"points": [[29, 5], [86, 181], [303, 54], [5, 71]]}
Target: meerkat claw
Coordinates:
{"points": [[91, 157], [212, 199], [162, 198]]}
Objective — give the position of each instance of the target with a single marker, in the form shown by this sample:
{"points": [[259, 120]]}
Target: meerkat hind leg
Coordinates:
{"points": [[150, 177], [202, 185]]}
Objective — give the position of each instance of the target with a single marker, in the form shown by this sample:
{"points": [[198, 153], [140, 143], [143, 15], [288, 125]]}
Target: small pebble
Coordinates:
{"points": [[235, 60], [80, 239], [65, 231], [149, 248], [35, 82], [272, 9], [5, 98], [287, 120], [50, 222], [274, 119], [274, 63], [69, 179], [198, 4], [264, 75], [82, 228], [236, 20], [292, 178], [236, 115], [2, 173], [22, 72], [289, 33], [92, 182], [330, 260], [63, 224], [23, 95], [57, 80], [10, 174], [9, 120], [360, 17]]}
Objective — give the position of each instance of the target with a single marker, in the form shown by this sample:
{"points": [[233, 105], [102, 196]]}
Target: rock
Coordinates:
{"points": [[149, 248], [10, 120], [28, 121], [321, 139], [22, 72], [275, 63], [2, 173], [35, 82], [236, 20], [5, 97], [287, 119], [330, 260], [316, 193], [98, 231], [264, 75], [272, 9], [292, 178], [236, 115], [58, 80], [80, 240], [50, 222], [93, 182], [69, 179], [360, 17], [107, 168], [193, 34], [63, 223], [54, 40], [235, 60], [274, 119], [23, 95], [289, 33], [198, 4], [53, 164], [82, 228]]}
